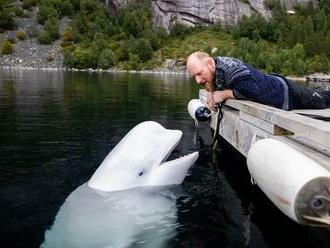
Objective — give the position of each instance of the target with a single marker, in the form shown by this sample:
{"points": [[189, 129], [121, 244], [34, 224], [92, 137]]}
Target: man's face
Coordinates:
{"points": [[201, 71]]}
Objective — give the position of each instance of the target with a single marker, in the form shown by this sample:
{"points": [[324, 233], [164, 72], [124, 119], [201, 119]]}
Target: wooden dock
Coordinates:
{"points": [[304, 130], [284, 171]]}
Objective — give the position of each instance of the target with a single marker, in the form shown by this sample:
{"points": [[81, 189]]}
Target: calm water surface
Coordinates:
{"points": [[57, 127]]}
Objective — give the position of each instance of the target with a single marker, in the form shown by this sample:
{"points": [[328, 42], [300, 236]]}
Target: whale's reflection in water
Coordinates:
{"points": [[139, 217]]}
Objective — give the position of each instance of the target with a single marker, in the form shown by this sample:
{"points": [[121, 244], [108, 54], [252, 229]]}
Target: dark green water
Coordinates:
{"points": [[57, 127]]}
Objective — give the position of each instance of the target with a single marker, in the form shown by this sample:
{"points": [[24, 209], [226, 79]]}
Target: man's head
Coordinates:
{"points": [[201, 66]]}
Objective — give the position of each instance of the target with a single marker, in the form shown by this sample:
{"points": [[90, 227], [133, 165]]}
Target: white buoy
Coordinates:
{"points": [[198, 110], [296, 184]]}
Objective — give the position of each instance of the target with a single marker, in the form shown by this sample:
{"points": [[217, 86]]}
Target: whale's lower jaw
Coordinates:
{"points": [[173, 171]]}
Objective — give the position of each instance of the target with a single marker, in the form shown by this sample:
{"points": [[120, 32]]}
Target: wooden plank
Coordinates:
{"points": [[313, 112], [237, 132], [264, 125], [309, 128]]}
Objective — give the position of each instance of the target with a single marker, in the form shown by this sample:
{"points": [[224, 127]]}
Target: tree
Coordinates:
{"points": [[106, 59], [142, 48], [45, 12]]}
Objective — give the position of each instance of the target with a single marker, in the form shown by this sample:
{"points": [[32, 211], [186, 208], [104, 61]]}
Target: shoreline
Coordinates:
{"points": [[154, 71]]}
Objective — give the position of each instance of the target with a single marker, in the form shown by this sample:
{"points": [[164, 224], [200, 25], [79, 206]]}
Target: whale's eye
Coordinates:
{"points": [[141, 173]]}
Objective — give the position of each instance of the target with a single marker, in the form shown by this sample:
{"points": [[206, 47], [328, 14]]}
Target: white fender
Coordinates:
{"points": [[198, 110], [296, 184]]}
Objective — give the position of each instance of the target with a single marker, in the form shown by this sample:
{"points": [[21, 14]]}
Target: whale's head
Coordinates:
{"points": [[139, 160]]}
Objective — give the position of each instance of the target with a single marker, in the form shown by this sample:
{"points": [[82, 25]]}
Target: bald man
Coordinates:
{"points": [[225, 78]]}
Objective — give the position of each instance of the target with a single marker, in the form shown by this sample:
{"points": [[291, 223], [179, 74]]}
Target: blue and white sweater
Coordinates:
{"points": [[251, 84]]}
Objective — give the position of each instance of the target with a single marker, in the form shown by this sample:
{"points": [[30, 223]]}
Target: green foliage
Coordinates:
{"points": [[46, 11], [6, 20], [7, 47], [135, 19], [50, 33], [52, 28], [256, 27], [318, 63], [21, 35], [178, 29], [254, 53], [80, 58], [27, 4], [106, 59], [88, 6], [44, 38], [19, 12], [142, 48], [133, 62]]}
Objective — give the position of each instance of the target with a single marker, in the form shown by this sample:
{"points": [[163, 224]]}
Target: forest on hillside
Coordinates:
{"points": [[291, 44]]}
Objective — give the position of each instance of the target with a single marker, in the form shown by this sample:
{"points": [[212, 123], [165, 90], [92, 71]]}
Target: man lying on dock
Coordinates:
{"points": [[226, 78]]}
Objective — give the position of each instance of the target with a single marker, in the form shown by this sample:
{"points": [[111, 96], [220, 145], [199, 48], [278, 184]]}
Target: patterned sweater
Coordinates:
{"points": [[251, 84]]}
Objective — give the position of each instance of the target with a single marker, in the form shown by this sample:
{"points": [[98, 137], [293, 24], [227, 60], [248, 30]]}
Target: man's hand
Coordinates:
{"points": [[215, 97]]}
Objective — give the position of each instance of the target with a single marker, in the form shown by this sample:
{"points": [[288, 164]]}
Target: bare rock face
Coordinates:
{"points": [[194, 12], [226, 12]]}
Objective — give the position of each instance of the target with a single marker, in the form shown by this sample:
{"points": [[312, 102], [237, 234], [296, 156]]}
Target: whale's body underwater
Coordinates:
{"points": [[126, 203]]}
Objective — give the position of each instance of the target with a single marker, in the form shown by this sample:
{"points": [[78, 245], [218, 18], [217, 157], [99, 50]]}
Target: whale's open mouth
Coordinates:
{"points": [[177, 160], [169, 152]]}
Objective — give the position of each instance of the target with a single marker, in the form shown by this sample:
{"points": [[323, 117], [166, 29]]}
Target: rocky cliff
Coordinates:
{"points": [[193, 12]]}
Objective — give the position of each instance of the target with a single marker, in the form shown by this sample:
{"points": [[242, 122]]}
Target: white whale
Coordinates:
{"points": [[139, 160], [128, 201]]}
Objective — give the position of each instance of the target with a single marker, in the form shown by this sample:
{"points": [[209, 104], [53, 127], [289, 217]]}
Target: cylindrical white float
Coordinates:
{"points": [[198, 110], [297, 185]]}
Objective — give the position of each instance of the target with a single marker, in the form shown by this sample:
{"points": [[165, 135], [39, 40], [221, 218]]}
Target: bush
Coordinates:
{"points": [[106, 59], [7, 47], [19, 12], [44, 38], [133, 62], [88, 6], [318, 64], [256, 27], [52, 28], [70, 36], [65, 8], [178, 29], [45, 12], [7, 21], [27, 4], [21, 35], [142, 48], [80, 58]]}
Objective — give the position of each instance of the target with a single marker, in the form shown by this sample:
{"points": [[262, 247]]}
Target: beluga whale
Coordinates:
{"points": [[130, 200]]}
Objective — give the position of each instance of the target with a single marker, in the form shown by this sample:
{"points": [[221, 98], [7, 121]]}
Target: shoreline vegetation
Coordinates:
{"points": [[85, 35], [154, 71]]}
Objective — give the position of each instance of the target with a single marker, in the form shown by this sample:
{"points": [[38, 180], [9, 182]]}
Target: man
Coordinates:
{"points": [[227, 78]]}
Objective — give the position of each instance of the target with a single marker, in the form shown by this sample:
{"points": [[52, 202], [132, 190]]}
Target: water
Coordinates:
{"points": [[57, 127]]}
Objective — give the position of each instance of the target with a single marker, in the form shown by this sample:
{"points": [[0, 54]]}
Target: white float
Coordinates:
{"points": [[296, 184], [198, 110]]}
